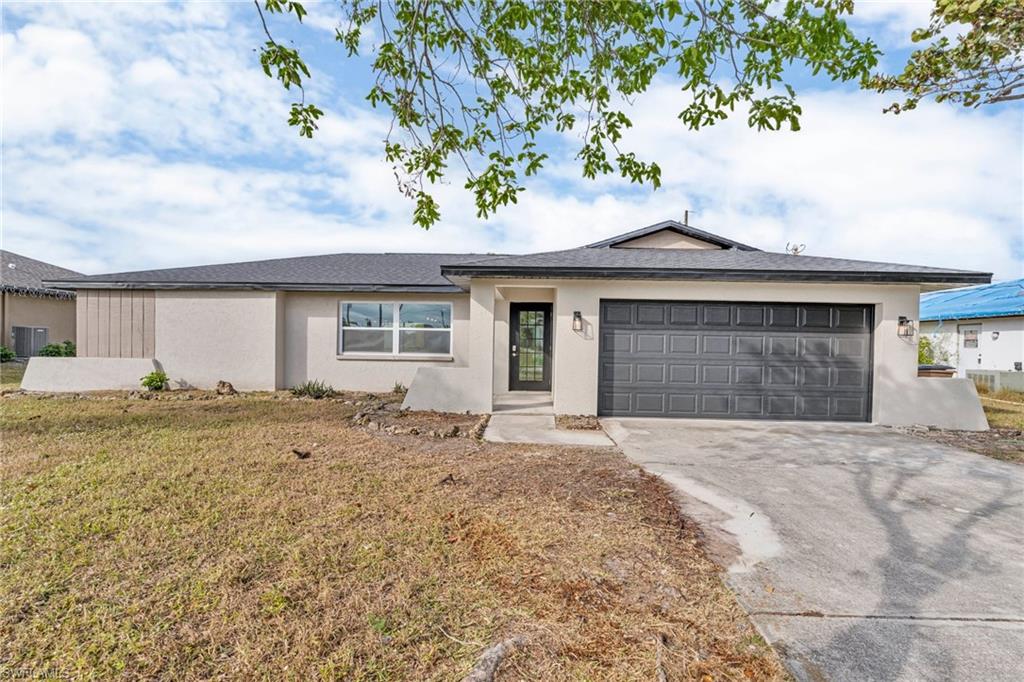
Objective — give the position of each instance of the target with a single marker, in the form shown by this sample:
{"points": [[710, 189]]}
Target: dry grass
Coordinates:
{"points": [[184, 540], [10, 375]]}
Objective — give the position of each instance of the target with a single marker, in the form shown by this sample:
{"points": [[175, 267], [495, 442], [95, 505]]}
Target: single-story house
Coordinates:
{"points": [[663, 321], [33, 315], [977, 329]]}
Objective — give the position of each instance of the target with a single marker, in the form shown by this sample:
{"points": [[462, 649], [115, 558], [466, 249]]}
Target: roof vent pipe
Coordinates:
{"points": [[686, 218]]}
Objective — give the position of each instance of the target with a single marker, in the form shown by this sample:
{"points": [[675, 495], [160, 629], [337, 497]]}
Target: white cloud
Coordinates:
{"points": [[179, 155]]}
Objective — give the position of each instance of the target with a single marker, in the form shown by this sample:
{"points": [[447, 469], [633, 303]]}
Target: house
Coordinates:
{"points": [[664, 321], [979, 330], [33, 315]]}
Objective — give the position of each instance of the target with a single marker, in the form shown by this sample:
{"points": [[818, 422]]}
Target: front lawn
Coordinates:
{"points": [[10, 375], [183, 539]]}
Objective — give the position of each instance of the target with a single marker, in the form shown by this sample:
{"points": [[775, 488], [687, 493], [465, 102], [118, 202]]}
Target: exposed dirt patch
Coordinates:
{"points": [[577, 422], [999, 443]]}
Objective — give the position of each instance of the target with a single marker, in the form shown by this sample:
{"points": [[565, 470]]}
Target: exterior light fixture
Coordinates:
{"points": [[905, 329], [577, 321]]}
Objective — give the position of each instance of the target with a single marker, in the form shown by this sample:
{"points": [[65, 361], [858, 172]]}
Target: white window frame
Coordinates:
{"points": [[396, 330]]}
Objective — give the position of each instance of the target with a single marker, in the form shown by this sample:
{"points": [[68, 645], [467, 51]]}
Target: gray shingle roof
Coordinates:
{"points": [[718, 264], [335, 272], [24, 275], [435, 272]]}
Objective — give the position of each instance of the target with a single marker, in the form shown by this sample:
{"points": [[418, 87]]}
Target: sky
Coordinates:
{"points": [[144, 135]]}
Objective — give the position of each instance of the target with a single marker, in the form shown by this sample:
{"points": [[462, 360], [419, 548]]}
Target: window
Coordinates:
{"points": [[970, 338], [396, 328]]}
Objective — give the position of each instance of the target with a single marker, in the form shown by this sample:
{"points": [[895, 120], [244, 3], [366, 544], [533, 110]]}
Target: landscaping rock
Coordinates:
{"points": [[225, 388]]}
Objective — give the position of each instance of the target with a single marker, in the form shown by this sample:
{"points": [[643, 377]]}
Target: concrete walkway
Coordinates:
{"points": [[861, 553], [539, 428]]}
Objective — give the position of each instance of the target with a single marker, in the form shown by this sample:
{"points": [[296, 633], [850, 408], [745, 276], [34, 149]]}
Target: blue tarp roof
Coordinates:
{"points": [[1002, 299]]}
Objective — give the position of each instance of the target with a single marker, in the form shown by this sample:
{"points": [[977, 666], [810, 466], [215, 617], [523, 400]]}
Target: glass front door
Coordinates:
{"points": [[530, 347]]}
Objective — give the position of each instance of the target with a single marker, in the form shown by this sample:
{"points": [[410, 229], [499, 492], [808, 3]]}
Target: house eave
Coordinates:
{"points": [[264, 286], [721, 275]]}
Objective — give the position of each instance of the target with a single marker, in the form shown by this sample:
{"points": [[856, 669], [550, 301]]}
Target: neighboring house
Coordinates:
{"points": [[977, 328], [664, 321], [32, 314]]}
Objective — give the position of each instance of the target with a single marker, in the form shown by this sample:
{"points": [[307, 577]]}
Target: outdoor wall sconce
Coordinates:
{"points": [[905, 330], [577, 321]]}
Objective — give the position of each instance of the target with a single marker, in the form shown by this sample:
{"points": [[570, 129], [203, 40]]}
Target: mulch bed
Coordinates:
{"points": [[577, 422]]}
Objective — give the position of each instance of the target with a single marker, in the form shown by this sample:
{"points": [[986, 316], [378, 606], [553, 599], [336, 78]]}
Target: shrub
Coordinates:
{"points": [[58, 350], [400, 388], [155, 380], [314, 389], [6, 354]]}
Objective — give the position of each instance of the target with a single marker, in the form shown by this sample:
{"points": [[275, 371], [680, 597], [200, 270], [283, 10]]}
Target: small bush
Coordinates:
{"points": [[400, 388], [58, 350], [6, 354], [155, 380], [314, 389]]}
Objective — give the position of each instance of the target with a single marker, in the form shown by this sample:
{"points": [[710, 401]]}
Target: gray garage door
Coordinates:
{"points": [[735, 360]]}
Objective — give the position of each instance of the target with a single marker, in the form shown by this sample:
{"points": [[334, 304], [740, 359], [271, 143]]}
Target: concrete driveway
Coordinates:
{"points": [[861, 553]]}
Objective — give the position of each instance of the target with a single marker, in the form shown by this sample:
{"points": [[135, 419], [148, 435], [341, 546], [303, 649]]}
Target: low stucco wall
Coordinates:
{"points": [[203, 337], [85, 374], [310, 335], [939, 401], [454, 389]]}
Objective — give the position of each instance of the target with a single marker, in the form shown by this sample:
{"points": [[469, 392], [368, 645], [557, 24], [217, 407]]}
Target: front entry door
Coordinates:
{"points": [[529, 347]]}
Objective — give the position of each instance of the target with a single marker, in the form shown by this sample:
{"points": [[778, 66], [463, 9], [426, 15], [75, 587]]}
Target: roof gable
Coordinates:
{"points": [[23, 275], [658, 236]]}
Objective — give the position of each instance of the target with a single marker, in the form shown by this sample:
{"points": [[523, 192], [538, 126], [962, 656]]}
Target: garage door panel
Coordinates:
{"points": [[749, 345], [815, 317], [680, 344], [715, 374], [650, 403], [749, 316], [748, 375], [683, 314], [739, 360], [650, 343], [649, 373], [714, 405], [716, 344], [682, 374], [682, 404], [749, 405]]}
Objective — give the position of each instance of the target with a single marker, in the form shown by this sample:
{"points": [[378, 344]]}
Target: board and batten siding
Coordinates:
{"points": [[114, 323]]}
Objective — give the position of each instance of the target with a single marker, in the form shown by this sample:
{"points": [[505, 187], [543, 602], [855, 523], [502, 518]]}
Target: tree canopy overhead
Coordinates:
{"points": [[477, 82]]}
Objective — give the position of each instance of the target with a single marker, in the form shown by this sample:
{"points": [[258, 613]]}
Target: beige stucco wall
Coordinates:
{"points": [[575, 355], [56, 314], [310, 349], [203, 337]]}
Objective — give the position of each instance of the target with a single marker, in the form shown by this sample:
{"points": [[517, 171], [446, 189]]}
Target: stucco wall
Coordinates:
{"points": [[574, 383], [57, 315], [310, 351], [995, 353], [203, 337]]}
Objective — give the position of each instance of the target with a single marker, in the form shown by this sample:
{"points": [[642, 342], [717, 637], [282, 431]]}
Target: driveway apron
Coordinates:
{"points": [[860, 553]]}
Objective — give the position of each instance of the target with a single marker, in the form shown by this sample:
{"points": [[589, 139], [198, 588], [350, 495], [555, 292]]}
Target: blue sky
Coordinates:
{"points": [[140, 135]]}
